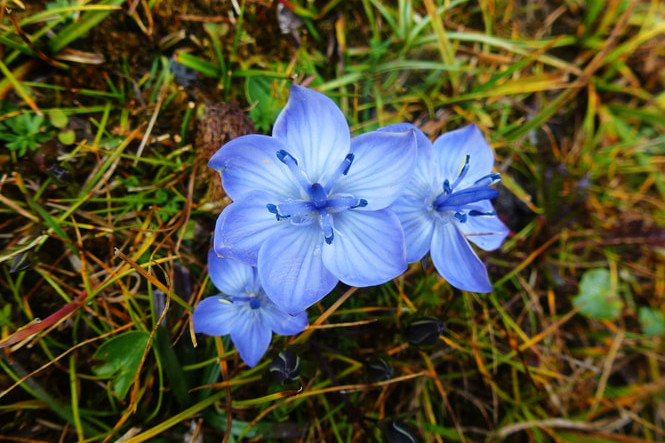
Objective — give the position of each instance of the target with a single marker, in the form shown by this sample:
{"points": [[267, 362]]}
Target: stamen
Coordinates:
{"points": [[236, 298], [464, 197], [342, 203], [318, 196], [292, 164], [461, 217], [489, 179], [343, 169], [462, 172], [348, 160], [273, 210], [253, 301], [326, 223], [446, 187], [474, 213], [291, 209], [286, 158]]}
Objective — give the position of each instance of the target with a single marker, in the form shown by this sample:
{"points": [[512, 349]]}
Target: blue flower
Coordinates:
{"points": [[310, 203], [448, 203], [244, 312]]}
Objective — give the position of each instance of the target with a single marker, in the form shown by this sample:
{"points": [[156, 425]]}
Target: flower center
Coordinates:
{"points": [[460, 202], [318, 196], [320, 202], [254, 303]]}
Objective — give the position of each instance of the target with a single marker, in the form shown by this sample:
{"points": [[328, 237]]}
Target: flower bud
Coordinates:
{"points": [[424, 331], [285, 368], [379, 370], [397, 431]]}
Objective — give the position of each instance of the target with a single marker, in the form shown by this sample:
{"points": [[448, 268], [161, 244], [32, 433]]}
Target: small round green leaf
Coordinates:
{"points": [[67, 137], [651, 321], [58, 118], [596, 298]]}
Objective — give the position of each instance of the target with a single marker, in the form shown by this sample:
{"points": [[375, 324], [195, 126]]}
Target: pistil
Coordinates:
{"points": [[318, 196], [456, 200]]}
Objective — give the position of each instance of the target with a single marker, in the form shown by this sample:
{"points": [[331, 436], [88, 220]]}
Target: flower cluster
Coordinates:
{"points": [[313, 206]]}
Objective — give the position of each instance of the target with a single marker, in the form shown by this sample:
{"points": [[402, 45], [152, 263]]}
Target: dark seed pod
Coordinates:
{"points": [[159, 301], [424, 331], [379, 370], [20, 263], [285, 368], [424, 262], [182, 74], [59, 173], [397, 431]]}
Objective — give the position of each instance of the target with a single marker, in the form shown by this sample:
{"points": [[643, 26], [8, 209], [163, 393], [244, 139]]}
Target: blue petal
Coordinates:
{"points": [[291, 269], [243, 226], [417, 223], [425, 176], [403, 127], [215, 316], [455, 260], [368, 248], [230, 276], [315, 131], [249, 163], [281, 322], [485, 224], [251, 336], [382, 168], [452, 148]]}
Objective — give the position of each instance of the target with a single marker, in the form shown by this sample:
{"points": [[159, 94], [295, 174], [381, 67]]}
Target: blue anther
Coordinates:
{"points": [[462, 172], [273, 210], [325, 221], [361, 203], [488, 179], [461, 217], [446, 187], [285, 157], [348, 160]]}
